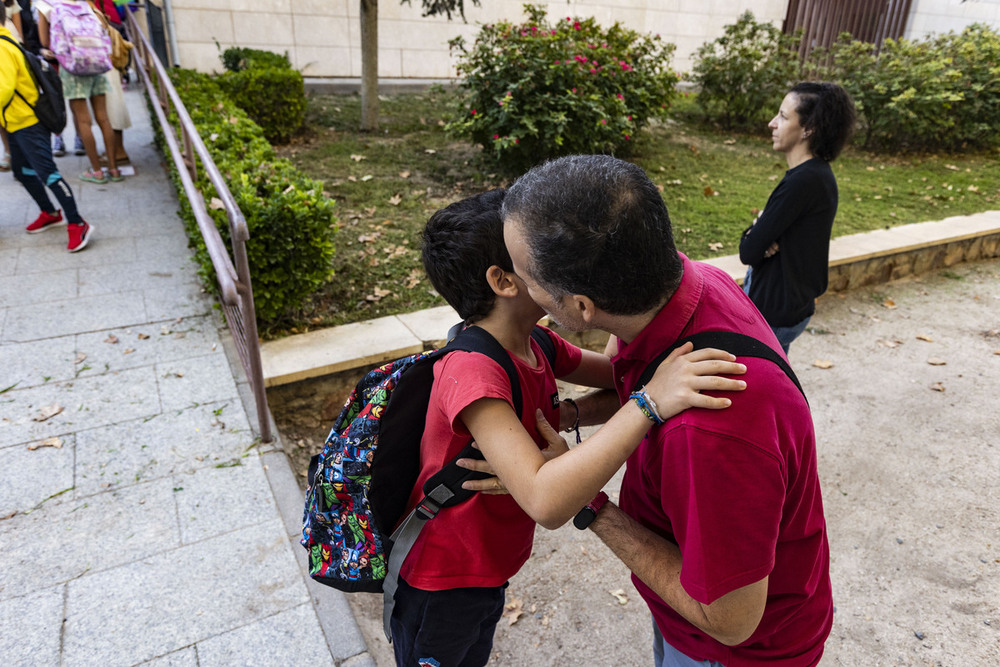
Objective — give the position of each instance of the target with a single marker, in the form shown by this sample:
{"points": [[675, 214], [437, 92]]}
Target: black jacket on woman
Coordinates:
{"points": [[799, 217]]}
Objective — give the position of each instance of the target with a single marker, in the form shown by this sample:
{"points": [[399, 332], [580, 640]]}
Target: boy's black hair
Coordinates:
{"points": [[827, 110], [460, 242]]}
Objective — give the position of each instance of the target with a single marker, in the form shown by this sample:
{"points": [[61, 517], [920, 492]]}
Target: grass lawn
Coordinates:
{"points": [[388, 183]]}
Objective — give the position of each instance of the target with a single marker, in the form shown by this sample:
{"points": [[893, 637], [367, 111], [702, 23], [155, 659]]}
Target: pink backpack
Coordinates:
{"points": [[78, 39]]}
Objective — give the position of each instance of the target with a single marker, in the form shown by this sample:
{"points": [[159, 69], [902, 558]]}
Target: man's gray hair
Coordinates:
{"points": [[597, 226]]}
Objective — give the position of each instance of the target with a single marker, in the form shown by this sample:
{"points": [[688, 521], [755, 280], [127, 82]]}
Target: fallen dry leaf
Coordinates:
{"points": [[366, 178], [48, 442], [80, 358], [404, 174], [935, 361], [891, 344], [513, 610], [395, 199], [715, 246], [352, 179], [729, 142], [48, 412], [143, 336], [823, 363], [620, 596], [709, 192], [112, 339], [925, 338], [430, 151], [128, 350], [358, 158], [937, 386], [216, 204], [889, 304]]}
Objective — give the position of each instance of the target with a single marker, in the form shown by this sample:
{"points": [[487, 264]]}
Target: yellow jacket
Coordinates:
{"points": [[15, 113]]}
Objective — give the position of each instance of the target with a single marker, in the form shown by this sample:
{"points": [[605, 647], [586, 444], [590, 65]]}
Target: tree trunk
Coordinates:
{"points": [[369, 65]]}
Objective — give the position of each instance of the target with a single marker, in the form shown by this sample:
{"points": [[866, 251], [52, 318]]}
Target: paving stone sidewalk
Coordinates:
{"points": [[143, 521]]}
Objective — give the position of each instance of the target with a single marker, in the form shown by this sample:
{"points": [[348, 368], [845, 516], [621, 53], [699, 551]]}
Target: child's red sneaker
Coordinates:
{"points": [[46, 221], [79, 235]]}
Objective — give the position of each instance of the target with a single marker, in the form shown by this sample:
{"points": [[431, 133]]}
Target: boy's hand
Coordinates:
{"points": [[680, 379]]}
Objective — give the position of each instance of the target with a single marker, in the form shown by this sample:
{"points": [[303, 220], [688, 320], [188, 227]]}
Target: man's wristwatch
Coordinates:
{"points": [[587, 515]]}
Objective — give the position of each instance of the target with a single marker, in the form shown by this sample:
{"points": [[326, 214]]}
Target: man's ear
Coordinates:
{"points": [[585, 307], [501, 281]]}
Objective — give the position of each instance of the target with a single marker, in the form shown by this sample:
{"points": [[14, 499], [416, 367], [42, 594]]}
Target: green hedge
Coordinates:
{"points": [[291, 222], [266, 87], [744, 74], [236, 59], [941, 93], [274, 98]]}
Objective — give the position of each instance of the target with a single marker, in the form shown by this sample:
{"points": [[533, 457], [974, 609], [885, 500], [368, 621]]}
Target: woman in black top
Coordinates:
{"points": [[788, 246]]}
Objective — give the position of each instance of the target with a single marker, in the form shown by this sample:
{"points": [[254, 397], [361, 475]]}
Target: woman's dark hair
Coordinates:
{"points": [[597, 226], [827, 111], [460, 242]]}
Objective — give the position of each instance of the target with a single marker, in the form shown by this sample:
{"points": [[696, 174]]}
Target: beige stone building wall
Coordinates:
{"points": [[940, 16], [322, 37]]}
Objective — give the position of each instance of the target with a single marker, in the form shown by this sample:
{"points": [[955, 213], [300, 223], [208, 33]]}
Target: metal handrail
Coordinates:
{"points": [[234, 280]]}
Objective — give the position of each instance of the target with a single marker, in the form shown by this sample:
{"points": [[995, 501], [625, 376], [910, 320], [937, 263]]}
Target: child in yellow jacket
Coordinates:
{"points": [[30, 150]]}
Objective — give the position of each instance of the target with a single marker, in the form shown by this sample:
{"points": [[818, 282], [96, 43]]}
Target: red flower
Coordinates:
{"points": [[496, 136], [473, 112]]}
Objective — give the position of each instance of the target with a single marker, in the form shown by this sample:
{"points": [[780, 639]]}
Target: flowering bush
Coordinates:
{"points": [[744, 74], [539, 90]]}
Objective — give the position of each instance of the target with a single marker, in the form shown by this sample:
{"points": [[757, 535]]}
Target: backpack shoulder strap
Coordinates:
{"points": [[544, 341], [733, 342]]}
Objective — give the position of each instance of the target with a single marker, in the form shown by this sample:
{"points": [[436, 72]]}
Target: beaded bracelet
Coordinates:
{"points": [[647, 406], [576, 424]]}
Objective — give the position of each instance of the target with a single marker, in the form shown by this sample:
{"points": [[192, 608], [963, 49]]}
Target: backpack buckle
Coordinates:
{"points": [[427, 508]]}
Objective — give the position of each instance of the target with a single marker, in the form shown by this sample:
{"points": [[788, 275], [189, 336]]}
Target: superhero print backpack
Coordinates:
{"points": [[360, 483]]}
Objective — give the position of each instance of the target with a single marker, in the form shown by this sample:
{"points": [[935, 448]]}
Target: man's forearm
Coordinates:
{"points": [[657, 563], [598, 407]]}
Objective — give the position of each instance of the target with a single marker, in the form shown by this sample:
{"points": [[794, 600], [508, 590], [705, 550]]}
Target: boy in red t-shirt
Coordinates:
{"points": [[451, 585]]}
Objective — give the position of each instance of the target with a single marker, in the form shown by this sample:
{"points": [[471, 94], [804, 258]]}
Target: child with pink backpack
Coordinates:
{"points": [[75, 36]]}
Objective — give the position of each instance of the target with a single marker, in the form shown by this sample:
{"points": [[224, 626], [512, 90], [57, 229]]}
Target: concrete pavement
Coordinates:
{"points": [[141, 519]]}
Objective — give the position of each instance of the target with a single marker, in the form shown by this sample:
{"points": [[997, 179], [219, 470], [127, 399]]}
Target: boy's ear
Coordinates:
{"points": [[500, 281]]}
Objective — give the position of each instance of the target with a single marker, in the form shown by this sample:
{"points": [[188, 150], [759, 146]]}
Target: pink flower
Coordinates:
{"points": [[574, 90], [626, 137], [593, 71], [534, 29], [553, 32], [604, 122], [496, 136], [473, 112], [630, 117], [620, 96], [576, 26], [517, 141], [557, 62]]}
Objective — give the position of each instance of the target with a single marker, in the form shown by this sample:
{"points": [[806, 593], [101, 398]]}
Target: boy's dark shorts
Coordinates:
{"points": [[452, 628]]}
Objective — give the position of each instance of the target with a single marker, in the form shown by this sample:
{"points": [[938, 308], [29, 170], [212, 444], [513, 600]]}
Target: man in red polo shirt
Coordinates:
{"points": [[721, 518]]}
